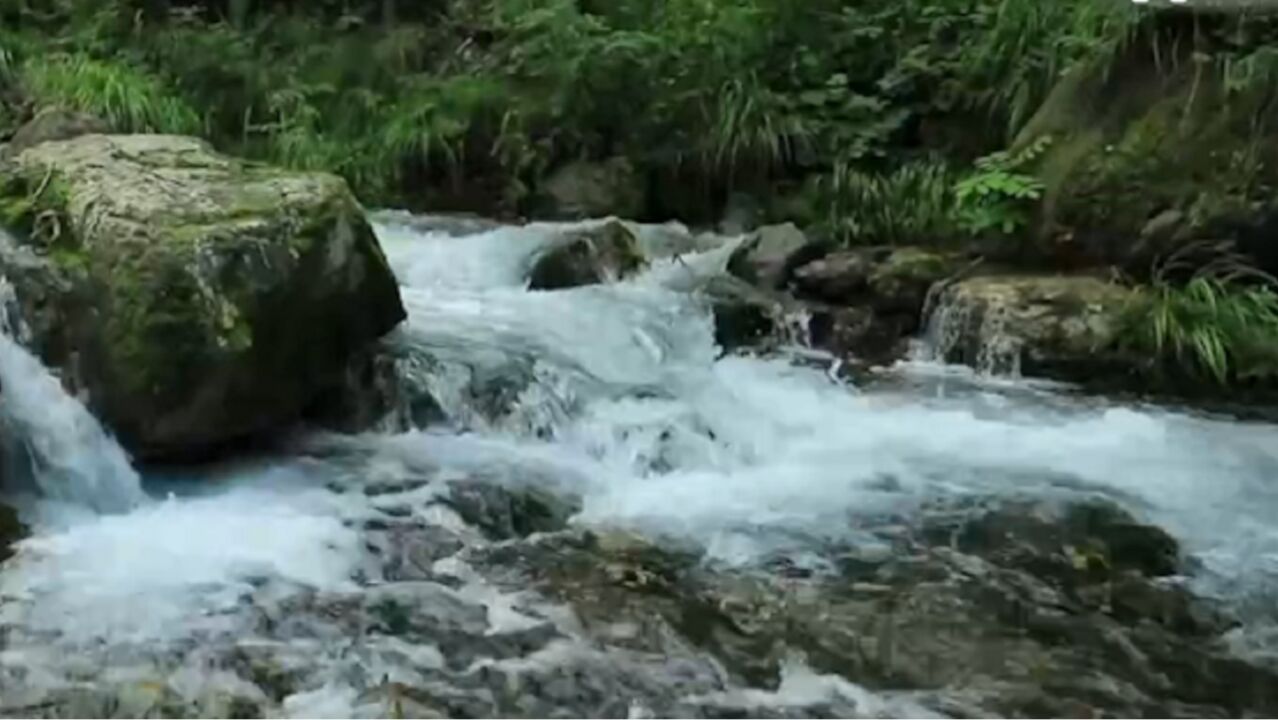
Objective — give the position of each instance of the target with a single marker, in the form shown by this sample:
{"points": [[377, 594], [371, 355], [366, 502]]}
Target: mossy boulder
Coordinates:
{"points": [[1062, 326], [590, 255], [213, 299], [1158, 149]]}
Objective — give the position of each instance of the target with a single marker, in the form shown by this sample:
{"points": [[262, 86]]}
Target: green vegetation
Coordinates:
{"points": [[913, 204], [997, 195], [128, 98], [892, 122], [1221, 325], [732, 94]]}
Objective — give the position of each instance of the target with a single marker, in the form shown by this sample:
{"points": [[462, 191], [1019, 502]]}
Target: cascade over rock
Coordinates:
{"points": [[197, 298], [1061, 326]]}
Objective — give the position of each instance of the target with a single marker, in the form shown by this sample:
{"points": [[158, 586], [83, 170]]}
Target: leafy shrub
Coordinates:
{"points": [[998, 196]]}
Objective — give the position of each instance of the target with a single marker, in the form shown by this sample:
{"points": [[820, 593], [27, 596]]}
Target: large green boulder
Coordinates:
{"points": [[206, 299]]}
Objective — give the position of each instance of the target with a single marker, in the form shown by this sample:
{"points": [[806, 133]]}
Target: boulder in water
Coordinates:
{"points": [[221, 297], [1051, 325], [770, 255], [582, 189], [588, 256], [52, 124]]}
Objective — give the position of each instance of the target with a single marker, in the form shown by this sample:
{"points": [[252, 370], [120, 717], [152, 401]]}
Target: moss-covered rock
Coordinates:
{"points": [[221, 296], [1049, 325], [1158, 148]]}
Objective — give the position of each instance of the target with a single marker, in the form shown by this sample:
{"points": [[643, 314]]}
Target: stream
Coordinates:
{"points": [[573, 499]]}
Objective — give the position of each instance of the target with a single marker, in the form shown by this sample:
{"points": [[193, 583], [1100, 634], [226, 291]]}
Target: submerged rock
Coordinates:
{"points": [[219, 297], [605, 253], [770, 255], [1056, 326]]}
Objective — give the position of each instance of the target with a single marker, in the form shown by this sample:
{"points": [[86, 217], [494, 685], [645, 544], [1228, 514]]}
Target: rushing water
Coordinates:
{"points": [[613, 393]]}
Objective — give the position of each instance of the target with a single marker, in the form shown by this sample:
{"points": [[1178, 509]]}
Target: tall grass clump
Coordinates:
{"points": [[1220, 326], [128, 98], [913, 204]]}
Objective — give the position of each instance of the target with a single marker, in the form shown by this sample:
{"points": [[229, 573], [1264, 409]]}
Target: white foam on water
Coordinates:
{"points": [[173, 567], [624, 402], [658, 434]]}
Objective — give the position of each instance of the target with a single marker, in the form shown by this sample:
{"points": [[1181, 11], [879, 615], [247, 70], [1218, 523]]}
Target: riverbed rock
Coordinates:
{"points": [[221, 296], [583, 189], [771, 254], [970, 611], [606, 252], [1050, 325], [504, 512], [52, 124]]}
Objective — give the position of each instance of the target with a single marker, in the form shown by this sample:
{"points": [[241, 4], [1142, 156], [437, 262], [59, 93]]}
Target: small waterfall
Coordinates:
{"points": [[958, 330], [48, 439]]}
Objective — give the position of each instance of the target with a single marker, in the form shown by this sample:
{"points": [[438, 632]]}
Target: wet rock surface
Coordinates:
{"points": [[744, 316], [479, 599], [589, 256]]}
